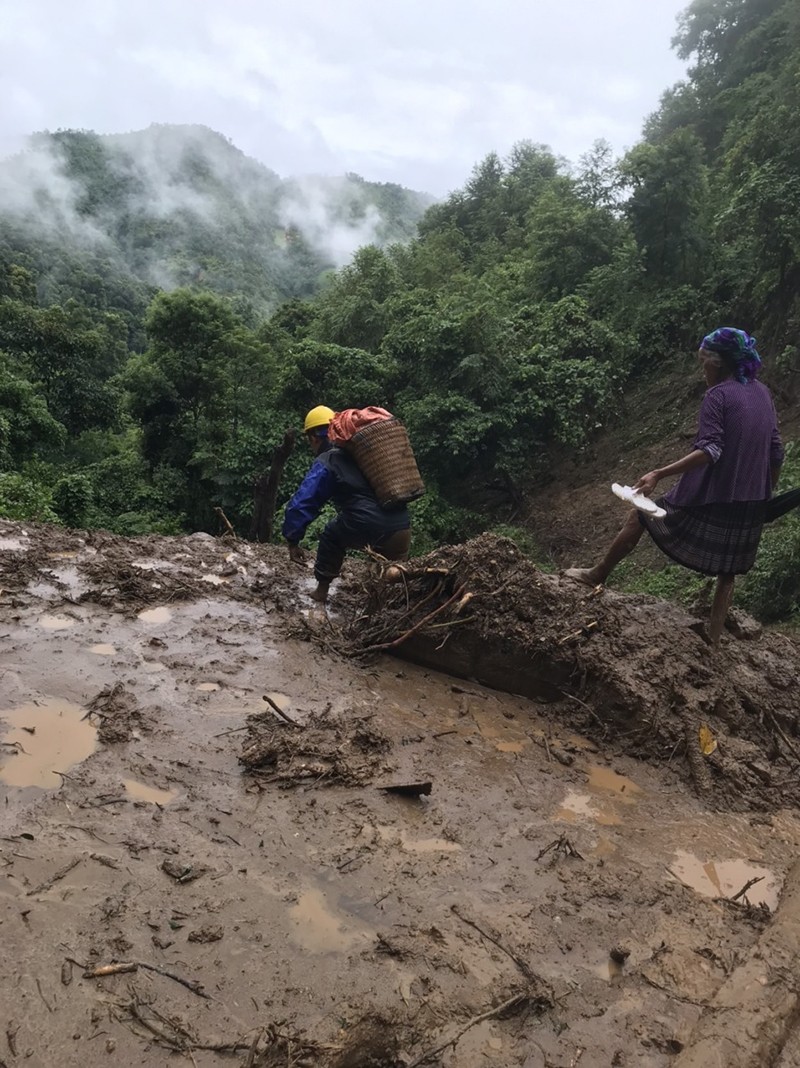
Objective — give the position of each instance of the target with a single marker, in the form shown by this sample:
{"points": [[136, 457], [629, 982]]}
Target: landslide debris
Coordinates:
{"points": [[628, 671], [344, 750]]}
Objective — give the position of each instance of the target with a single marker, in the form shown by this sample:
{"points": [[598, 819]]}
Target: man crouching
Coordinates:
{"points": [[361, 521]]}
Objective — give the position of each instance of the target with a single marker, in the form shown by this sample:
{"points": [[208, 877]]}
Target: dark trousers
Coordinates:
{"points": [[338, 536]]}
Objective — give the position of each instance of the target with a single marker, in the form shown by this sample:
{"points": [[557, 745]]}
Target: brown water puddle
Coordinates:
{"points": [[61, 556], [319, 927], [140, 791], [56, 622], [602, 779], [723, 878], [103, 649], [207, 687], [512, 747], [155, 615], [577, 808], [61, 739], [504, 737], [416, 845]]}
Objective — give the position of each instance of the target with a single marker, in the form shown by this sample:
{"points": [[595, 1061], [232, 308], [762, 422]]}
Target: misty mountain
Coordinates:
{"points": [[107, 219]]}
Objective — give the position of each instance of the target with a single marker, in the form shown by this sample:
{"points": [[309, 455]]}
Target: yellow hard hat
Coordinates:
{"points": [[317, 417]]}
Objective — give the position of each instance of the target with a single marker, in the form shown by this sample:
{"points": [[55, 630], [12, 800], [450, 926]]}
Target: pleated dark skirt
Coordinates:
{"points": [[713, 539]]}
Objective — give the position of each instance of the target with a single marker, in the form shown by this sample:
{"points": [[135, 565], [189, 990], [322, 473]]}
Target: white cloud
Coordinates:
{"points": [[406, 90]]}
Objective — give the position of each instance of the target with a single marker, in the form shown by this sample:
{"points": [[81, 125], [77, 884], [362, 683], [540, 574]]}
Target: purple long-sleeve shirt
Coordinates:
{"points": [[738, 430]]}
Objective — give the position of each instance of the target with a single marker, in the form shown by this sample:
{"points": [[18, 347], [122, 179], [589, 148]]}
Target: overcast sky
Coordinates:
{"points": [[412, 91]]}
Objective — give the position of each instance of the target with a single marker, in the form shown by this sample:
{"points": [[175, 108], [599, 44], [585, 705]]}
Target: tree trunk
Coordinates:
{"points": [[265, 490]]}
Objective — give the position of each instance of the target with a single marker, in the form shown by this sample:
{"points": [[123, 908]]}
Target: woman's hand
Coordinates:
{"points": [[647, 483]]}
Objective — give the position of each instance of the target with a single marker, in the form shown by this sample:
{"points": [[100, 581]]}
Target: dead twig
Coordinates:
{"points": [[250, 1059], [102, 970], [54, 878], [276, 708], [515, 1002], [122, 967], [228, 525], [101, 858], [181, 1041], [585, 632], [190, 984], [747, 886], [783, 736], [563, 845], [522, 965], [417, 626], [47, 1004]]}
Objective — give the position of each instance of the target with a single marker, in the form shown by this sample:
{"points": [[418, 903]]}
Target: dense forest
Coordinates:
{"points": [[168, 308]]}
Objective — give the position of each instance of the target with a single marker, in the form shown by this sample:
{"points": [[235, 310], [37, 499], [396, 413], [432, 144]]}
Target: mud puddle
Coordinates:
{"points": [[56, 622], [605, 804], [725, 878], [319, 899], [140, 791], [577, 807], [403, 840], [320, 927], [155, 616], [103, 649], [603, 780], [14, 545], [49, 737]]}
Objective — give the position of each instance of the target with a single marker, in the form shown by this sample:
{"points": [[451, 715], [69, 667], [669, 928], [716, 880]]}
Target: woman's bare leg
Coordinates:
{"points": [[723, 595], [624, 544]]}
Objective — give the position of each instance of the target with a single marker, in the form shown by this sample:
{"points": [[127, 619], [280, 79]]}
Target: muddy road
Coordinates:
{"points": [[550, 903]]}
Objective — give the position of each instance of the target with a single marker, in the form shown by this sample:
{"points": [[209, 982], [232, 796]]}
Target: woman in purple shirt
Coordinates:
{"points": [[716, 510]]}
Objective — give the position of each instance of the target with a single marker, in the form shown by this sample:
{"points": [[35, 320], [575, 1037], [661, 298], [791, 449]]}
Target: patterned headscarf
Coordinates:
{"points": [[738, 350]]}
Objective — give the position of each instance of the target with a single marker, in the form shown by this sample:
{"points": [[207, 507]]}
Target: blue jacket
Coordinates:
{"points": [[335, 476]]}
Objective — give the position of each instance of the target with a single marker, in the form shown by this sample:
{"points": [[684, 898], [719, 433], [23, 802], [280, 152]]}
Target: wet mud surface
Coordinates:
{"points": [[272, 903]]}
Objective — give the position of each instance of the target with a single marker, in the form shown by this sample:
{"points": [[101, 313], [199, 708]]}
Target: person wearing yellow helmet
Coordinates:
{"points": [[335, 477], [318, 417]]}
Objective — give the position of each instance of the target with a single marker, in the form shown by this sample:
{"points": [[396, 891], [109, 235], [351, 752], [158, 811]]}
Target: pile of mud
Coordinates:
{"points": [[628, 671], [631, 671], [128, 574]]}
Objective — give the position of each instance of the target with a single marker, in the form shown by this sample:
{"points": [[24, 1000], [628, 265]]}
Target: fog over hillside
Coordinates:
{"points": [[176, 204]]}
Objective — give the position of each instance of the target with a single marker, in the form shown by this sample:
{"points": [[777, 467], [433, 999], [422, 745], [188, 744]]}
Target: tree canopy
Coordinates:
{"points": [[171, 307]]}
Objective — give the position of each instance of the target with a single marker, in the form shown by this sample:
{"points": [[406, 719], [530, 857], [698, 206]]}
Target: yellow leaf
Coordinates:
{"points": [[708, 743]]}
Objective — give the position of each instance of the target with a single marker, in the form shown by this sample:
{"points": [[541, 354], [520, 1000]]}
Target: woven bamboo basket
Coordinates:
{"points": [[384, 454]]}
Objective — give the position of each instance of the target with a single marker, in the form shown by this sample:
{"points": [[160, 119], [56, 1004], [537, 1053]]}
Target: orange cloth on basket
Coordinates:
{"points": [[346, 424]]}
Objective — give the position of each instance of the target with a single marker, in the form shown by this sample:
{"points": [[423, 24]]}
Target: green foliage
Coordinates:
{"points": [[26, 426], [22, 499], [526, 544], [72, 500], [435, 521], [670, 583], [147, 376], [771, 591]]}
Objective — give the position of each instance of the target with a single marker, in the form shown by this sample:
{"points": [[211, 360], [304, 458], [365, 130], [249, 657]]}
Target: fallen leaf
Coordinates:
{"points": [[708, 743]]}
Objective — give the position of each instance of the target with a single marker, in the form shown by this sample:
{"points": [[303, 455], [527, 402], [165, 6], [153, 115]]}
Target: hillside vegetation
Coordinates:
{"points": [[506, 332]]}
